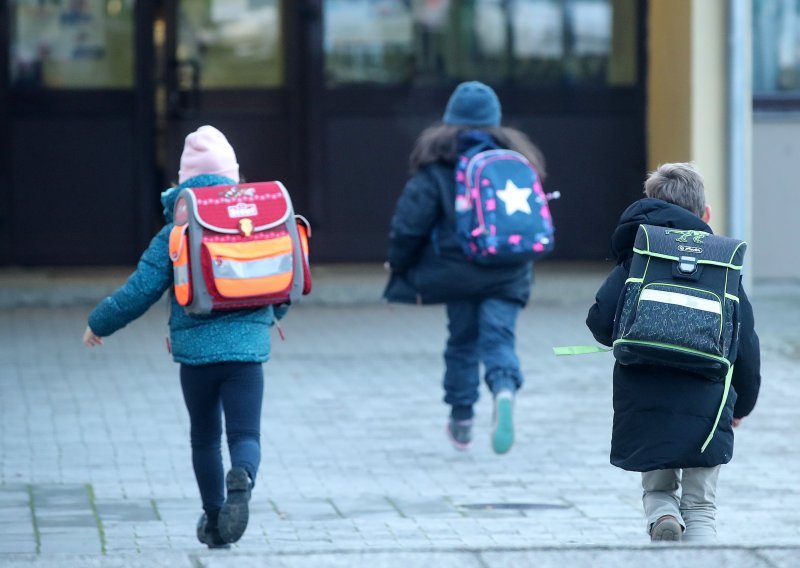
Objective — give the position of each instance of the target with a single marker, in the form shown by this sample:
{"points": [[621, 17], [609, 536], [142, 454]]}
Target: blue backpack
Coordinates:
{"points": [[502, 215]]}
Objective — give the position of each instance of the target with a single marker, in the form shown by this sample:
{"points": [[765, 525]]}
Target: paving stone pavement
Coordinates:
{"points": [[95, 463]]}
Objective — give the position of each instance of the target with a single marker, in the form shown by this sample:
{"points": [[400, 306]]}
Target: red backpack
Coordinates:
{"points": [[238, 246]]}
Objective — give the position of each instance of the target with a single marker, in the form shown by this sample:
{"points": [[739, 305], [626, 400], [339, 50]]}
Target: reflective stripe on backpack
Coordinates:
{"points": [[179, 254], [251, 268]]}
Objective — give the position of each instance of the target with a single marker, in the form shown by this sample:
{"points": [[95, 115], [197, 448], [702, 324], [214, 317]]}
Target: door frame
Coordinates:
{"points": [[135, 102]]}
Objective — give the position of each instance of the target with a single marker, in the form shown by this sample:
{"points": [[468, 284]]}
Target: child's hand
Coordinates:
{"points": [[736, 421], [90, 339]]}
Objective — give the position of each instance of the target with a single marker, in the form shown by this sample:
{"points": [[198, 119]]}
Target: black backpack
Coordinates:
{"points": [[680, 305]]}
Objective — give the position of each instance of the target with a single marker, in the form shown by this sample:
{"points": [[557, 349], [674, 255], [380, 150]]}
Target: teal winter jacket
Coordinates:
{"points": [[241, 335]]}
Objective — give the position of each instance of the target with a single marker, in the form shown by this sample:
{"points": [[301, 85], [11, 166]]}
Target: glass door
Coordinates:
{"points": [[223, 63], [71, 112], [568, 73]]}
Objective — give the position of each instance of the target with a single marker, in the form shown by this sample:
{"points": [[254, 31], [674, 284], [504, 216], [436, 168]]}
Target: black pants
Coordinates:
{"points": [[235, 390]]}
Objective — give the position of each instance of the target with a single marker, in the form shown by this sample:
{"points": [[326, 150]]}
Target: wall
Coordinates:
{"points": [[776, 196], [686, 92]]}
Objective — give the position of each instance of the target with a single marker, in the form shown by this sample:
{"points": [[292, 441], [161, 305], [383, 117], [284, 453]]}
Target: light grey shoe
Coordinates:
{"points": [[459, 433], [665, 529]]}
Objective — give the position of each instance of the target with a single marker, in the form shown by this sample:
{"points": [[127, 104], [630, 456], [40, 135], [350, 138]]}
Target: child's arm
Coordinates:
{"points": [[747, 367], [600, 320], [90, 339], [413, 220], [153, 275]]}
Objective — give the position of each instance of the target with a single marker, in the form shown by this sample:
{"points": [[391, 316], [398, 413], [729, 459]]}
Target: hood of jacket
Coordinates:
{"points": [[649, 211], [170, 196]]}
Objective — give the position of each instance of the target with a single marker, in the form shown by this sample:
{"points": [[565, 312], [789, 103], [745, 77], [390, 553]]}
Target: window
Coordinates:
{"points": [[776, 48], [523, 42], [71, 44], [230, 44]]}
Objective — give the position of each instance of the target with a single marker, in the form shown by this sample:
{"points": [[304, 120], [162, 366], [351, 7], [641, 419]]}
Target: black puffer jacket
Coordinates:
{"points": [[428, 265], [663, 416]]}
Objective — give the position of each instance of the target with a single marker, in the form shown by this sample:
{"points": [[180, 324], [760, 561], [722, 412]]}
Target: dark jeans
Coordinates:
{"points": [[481, 331], [235, 389]]}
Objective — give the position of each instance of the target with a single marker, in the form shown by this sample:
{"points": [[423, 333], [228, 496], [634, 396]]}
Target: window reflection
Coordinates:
{"points": [[230, 43], [529, 42], [368, 41], [776, 46], [72, 43]]}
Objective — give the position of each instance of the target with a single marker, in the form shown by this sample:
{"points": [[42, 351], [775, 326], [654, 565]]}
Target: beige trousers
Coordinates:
{"points": [[689, 495]]}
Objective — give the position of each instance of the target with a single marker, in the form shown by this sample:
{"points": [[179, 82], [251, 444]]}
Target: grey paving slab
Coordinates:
{"points": [[660, 557], [363, 560], [354, 453], [127, 560], [786, 558]]}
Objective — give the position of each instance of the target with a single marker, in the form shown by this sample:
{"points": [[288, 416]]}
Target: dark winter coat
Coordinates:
{"points": [[662, 416], [427, 262]]}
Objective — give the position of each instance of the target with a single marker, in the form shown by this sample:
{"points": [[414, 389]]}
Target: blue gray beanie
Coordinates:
{"points": [[473, 104]]}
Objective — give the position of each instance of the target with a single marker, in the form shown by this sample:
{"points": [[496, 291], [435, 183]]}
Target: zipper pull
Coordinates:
{"points": [[280, 330]]}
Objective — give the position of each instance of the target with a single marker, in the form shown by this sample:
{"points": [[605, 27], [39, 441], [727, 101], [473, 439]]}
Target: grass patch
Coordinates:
{"points": [[100, 530], [37, 535], [155, 509]]}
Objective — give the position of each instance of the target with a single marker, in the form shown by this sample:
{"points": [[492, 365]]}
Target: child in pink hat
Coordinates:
{"points": [[220, 354]]}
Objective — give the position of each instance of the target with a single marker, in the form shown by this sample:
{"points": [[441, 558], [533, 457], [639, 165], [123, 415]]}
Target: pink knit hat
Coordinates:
{"points": [[207, 151]]}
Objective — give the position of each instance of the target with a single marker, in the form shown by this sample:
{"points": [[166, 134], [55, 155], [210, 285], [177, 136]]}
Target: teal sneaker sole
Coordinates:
{"points": [[503, 433]]}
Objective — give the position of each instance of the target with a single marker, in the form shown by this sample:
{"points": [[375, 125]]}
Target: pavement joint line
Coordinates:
{"points": [[335, 508], [281, 514], [660, 548], [456, 507], [758, 553], [157, 513], [100, 529], [394, 506], [481, 560], [37, 535]]}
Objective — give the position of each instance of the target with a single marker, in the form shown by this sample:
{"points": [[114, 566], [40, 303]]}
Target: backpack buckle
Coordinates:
{"points": [[687, 265]]}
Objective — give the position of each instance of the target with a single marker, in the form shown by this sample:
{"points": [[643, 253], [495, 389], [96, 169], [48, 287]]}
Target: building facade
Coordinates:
{"points": [[328, 96]]}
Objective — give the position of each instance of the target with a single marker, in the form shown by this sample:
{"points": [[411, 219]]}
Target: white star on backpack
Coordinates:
{"points": [[515, 198]]}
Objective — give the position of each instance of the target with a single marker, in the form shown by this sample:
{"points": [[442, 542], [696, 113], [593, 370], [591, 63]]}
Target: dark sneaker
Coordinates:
{"points": [[666, 528], [235, 512], [460, 433], [209, 535], [503, 422]]}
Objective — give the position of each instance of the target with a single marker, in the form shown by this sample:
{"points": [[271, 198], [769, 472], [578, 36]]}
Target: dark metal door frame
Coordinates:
{"points": [[412, 103], [144, 120], [50, 108], [235, 109], [6, 191]]}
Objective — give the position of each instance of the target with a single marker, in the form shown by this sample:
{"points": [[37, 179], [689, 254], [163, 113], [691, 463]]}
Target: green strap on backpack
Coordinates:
{"points": [[579, 349], [587, 349], [725, 390]]}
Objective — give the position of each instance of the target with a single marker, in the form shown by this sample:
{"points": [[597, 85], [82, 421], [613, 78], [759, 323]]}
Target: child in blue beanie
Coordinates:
{"points": [[428, 265], [220, 354]]}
